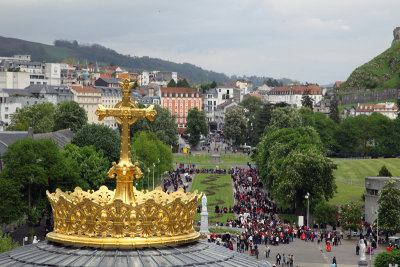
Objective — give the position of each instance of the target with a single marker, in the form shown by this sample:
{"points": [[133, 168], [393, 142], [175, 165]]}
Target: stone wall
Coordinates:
{"points": [[371, 96]]}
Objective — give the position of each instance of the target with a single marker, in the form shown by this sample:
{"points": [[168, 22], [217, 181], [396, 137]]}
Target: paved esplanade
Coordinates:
{"points": [[308, 254]]}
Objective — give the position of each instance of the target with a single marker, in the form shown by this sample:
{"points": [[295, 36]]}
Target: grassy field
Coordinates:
{"points": [[218, 189], [355, 171], [196, 159], [205, 159], [350, 176], [346, 193]]}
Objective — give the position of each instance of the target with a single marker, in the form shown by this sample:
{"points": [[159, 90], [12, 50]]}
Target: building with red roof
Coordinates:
{"points": [[292, 95], [179, 100], [389, 109]]}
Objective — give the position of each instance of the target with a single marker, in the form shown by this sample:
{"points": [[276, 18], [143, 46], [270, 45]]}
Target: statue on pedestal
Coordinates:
{"points": [[204, 203], [362, 250]]}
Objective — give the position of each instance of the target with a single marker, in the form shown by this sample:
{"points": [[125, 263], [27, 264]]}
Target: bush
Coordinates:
{"points": [[387, 257], [6, 243]]}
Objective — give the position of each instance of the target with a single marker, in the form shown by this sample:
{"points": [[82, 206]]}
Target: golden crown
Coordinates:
{"points": [[93, 218], [125, 217]]}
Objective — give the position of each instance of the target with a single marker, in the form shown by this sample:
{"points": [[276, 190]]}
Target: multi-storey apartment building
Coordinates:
{"points": [[109, 97], [179, 100], [88, 98], [292, 95]]}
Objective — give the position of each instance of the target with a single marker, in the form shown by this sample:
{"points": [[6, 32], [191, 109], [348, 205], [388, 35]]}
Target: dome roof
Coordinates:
{"points": [[200, 253]]}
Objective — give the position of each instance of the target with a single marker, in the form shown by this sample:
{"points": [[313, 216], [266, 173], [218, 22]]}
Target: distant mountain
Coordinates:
{"points": [[63, 49], [382, 72], [104, 56]]}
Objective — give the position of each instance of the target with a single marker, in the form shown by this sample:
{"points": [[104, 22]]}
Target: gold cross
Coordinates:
{"points": [[125, 112]]}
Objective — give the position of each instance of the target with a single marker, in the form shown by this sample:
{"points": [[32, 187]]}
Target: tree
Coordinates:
{"points": [[334, 110], [69, 114], [389, 207], [39, 116], [276, 145], [7, 243], [183, 83], [251, 106], [171, 83], [262, 119], [92, 165], [350, 216], [325, 213], [384, 172], [304, 171], [387, 257], [195, 125], [101, 137], [147, 149], [286, 117], [235, 125], [213, 84], [164, 126], [306, 100], [31, 168], [70, 61], [326, 129]]}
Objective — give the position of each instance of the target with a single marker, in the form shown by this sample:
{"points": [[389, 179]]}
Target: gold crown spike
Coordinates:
{"points": [[124, 217]]}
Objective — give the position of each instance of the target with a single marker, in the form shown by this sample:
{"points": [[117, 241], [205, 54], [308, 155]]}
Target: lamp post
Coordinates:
{"points": [[158, 170], [377, 230], [148, 175], [308, 205], [153, 174]]}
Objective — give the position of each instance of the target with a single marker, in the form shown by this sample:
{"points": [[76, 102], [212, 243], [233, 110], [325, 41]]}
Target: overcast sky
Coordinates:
{"points": [[309, 40]]}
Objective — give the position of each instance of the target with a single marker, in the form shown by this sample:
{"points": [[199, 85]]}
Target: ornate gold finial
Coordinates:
{"points": [[124, 217], [125, 112]]}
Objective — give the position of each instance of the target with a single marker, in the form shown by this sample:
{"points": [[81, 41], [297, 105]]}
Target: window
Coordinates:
{"points": [[6, 108], [5, 116]]}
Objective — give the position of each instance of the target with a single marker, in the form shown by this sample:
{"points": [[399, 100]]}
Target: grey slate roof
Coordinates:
{"points": [[61, 137], [9, 137], [200, 253]]}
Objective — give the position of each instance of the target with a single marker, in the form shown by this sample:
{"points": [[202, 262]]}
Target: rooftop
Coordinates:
{"points": [[85, 89], [200, 253]]}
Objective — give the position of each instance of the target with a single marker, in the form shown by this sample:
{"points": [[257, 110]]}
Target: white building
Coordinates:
{"points": [[13, 99], [53, 74], [14, 80], [293, 95], [388, 109], [222, 110], [109, 97]]}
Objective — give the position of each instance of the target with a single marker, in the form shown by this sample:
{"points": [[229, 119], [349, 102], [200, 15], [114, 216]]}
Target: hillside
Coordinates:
{"points": [[104, 56], [382, 72]]}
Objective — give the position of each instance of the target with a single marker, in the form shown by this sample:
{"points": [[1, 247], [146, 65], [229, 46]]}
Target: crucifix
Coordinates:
{"points": [[125, 112]]}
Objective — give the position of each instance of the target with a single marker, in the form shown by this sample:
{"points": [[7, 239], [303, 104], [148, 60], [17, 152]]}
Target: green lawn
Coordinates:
{"points": [[194, 158], [236, 159], [218, 189], [350, 176], [346, 193], [205, 159], [355, 171]]}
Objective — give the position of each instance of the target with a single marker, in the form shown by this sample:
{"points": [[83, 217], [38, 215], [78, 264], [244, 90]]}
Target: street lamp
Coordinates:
{"points": [[148, 175], [158, 171], [153, 174], [308, 205], [377, 230]]}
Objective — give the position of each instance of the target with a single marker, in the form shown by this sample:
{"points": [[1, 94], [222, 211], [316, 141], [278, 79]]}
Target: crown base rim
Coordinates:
{"points": [[123, 242]]}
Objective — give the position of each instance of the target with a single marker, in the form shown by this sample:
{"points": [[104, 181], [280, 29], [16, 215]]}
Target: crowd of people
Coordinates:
{"points": [[256, 213]]}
